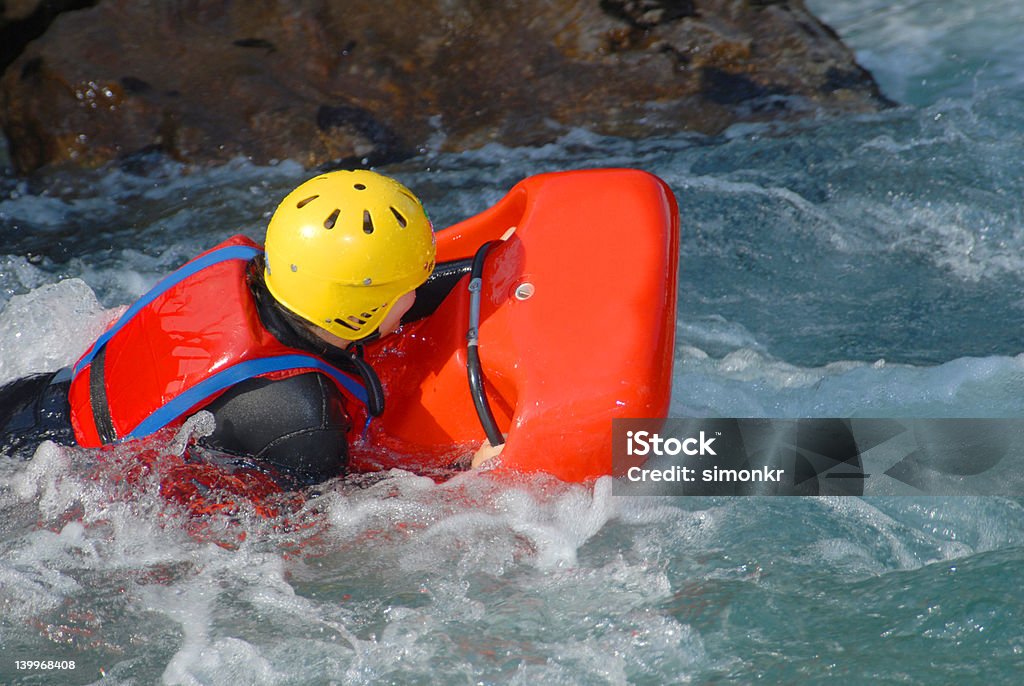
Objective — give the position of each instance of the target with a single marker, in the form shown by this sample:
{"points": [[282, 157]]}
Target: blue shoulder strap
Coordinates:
{"points": [[228, 377]]}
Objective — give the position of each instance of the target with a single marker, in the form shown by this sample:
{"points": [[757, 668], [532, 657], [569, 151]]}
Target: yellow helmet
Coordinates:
{"points": [[344, 246]]}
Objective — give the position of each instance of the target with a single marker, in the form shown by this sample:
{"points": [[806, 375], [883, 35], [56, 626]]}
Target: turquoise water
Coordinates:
{"points": [[865, 266]]}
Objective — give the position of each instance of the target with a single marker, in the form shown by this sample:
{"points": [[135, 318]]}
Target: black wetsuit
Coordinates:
{"points": [[298, 426], [32, 410]]}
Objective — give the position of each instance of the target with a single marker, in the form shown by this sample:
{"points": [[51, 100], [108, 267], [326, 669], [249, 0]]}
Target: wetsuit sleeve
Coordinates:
{"points": [[34, 409], [297, 425]]}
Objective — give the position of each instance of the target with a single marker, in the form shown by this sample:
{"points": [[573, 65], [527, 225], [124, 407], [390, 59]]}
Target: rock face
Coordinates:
{"points": [[321, 81], [22, 21]]}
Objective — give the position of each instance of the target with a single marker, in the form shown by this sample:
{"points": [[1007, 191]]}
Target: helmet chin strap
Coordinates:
{"points": [[358, 345]]}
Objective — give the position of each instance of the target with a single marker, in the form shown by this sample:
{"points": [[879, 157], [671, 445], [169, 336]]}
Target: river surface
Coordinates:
{"points": [[865, 266]]}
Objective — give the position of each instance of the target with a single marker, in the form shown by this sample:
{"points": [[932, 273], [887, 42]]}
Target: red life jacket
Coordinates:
{"points": [[193, 336]]}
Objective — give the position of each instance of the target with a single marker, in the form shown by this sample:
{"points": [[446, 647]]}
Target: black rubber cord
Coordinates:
{"points": [[473, 366]]}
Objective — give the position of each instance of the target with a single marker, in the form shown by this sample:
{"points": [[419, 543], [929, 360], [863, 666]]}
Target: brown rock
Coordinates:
{"points": [[320, 81], [22, 21]]}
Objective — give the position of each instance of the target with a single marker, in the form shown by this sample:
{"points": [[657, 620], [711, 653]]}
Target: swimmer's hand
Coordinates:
{"points": [[485, 454]]}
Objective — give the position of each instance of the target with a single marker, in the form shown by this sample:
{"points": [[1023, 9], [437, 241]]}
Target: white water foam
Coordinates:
{"points": [[436, 555], [48, 328]]}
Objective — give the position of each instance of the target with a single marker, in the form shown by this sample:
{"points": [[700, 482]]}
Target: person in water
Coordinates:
{"points": [[269, 340]]}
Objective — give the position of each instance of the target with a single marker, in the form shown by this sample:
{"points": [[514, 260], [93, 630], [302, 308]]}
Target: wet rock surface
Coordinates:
{"points": [[328, 82]]}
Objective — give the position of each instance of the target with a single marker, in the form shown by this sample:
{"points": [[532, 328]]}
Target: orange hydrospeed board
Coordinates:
{"points": [[577, 312]]}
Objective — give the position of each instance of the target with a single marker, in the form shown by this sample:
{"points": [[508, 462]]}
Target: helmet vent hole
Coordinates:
{"points": [[398, 215], [367, 222], [332, 219], [359, 187], [342, 322], [302, 203]]}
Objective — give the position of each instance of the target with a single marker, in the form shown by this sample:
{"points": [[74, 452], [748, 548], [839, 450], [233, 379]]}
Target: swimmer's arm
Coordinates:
{"points": [[296, 425]]}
